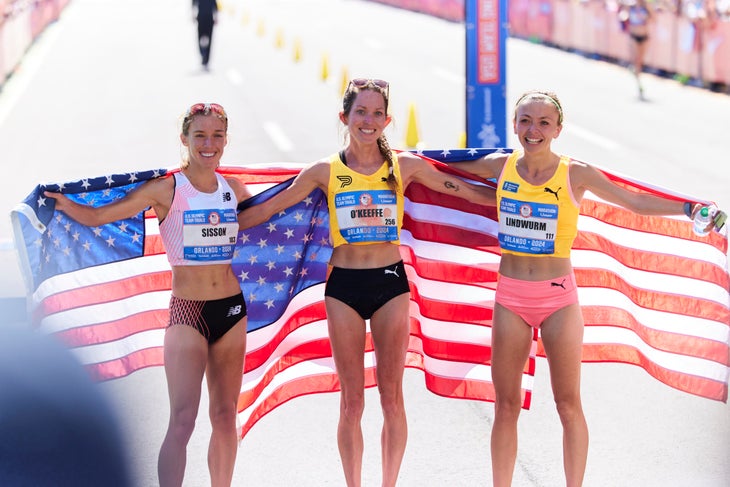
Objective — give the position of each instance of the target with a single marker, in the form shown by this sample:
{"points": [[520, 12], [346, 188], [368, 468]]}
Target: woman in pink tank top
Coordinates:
{"points": [[206, 334]]}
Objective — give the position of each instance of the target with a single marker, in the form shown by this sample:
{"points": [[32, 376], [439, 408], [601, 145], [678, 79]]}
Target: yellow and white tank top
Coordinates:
{"points": [[536, 220], [363, 209], [200, 228]]}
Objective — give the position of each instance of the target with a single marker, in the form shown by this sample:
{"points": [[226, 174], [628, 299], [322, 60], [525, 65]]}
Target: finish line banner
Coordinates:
{"points": [[486, 74]]}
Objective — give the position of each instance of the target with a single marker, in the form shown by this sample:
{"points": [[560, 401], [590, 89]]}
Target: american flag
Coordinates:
{"points": [[653, 294]]}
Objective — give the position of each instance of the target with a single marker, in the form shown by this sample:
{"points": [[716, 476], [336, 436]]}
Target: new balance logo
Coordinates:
{"points": [[394, 271], [554, 193], [234, 310], [345, 181], [558, 284], [227, 196]]}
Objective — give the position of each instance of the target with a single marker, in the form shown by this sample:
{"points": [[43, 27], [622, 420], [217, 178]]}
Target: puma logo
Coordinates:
{"points": [[558, 284], [345, 181], [394, 271], [554, 193]]}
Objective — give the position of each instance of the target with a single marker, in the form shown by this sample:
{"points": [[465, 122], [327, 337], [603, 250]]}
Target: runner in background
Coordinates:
{"points": [[636, 17], [206, 14]]}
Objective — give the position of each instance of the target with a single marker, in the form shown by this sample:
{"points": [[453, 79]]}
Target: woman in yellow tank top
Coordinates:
{"points": [[364, 184], [538, 198]]}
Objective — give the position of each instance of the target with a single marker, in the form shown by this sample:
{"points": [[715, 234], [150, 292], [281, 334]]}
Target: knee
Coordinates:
{"points": [[392, 404], [507, 408], [223, 415], [182, 423], [569, 409], [352, 406]]}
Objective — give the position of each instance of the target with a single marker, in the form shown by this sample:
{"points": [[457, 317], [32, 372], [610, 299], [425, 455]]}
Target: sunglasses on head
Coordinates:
{"points": [[205, 108], [364, 82]]}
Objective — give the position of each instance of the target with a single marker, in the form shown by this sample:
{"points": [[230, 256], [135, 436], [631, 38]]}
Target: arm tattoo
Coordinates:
{"points": [[450, 185]]}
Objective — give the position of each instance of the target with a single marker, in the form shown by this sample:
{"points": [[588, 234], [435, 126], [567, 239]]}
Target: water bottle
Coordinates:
{"points": [[702, 219]]}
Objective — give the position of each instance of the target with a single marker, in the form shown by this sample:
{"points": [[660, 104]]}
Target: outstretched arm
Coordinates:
{"points": [[585, 177], [310, 178], [413, 168], [487, 167], [156, 193]]}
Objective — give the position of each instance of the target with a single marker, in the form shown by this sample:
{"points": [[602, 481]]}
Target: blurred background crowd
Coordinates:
{"points": [[688, 40]]}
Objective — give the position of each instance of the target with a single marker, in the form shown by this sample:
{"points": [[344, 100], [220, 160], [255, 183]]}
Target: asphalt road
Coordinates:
{"points": [[103, 89]]}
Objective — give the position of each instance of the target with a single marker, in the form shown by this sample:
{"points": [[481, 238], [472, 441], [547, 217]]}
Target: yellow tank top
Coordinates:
{"points": [[536, 220], [363, 209]]}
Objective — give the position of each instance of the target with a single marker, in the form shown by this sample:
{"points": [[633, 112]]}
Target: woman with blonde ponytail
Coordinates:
{"points": [[206, 331]]}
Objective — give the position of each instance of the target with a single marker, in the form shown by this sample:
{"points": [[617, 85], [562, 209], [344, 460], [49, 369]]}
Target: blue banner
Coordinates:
{"points": [[486, 75]]}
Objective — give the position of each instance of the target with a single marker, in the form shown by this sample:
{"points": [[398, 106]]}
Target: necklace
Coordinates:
{"points": [[209, 187]]}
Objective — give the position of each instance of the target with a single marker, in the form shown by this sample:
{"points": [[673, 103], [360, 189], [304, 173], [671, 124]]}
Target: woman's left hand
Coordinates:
{"points": [[719, 218]]}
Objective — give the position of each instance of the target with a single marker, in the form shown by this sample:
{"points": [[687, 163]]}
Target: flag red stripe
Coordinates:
{"points": [[153, 245], [435, 232], [310, 384], [311, 350], [418, 193], [484, 275], [450, 311], [684, 382], [655, 300], [454, 351], [301, 317], [255, 173], [683, 344], [670, 227], [655, 262], [104, 293], [139, 359], [457, 388], [110, 331]]}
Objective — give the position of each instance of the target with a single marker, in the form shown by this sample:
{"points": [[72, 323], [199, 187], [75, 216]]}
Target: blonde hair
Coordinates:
{"points": [[542, 95]]}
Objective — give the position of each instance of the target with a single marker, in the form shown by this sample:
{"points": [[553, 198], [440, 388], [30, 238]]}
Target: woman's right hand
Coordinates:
{"points": [[61, 201]]}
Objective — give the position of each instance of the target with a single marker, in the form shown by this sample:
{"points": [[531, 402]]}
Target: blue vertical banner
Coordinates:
{"points": [[486, 74]]}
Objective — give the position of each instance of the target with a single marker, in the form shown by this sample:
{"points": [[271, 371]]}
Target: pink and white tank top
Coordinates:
{"points": [[200, 228]]}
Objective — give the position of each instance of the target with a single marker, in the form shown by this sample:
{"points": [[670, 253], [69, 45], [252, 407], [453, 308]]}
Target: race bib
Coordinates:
{"points": [[367, 216], [527, 227], [209, 235]]}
